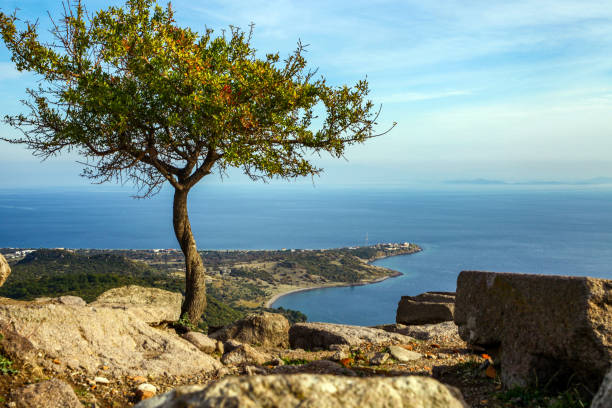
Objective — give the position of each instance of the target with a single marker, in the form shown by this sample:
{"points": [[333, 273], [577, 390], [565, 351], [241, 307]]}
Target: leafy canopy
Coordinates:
{"points": [[145, 100]]}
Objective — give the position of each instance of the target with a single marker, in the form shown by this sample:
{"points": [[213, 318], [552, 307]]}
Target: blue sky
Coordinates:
{"points": [[513, 90]]}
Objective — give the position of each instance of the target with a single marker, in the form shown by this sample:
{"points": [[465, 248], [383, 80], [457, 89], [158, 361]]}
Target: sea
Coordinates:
{"points": [[563, 231]]}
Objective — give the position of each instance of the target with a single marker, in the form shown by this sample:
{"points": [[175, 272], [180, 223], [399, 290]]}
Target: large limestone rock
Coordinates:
{"points": [[149, 304], [603, 398], [441, 332], [314, 391], [547, 326], [89, 337], [53, 393], [5, 270], [201, 341], [260, 329], [426, 308], [312, 335]]}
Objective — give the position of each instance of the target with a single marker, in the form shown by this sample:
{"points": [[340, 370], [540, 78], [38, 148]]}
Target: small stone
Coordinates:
{"points": [[139, 379], [145, 391], [443, 356], [101, 380], [403, 355], [253, 370], [277, 362], [379, 358]]}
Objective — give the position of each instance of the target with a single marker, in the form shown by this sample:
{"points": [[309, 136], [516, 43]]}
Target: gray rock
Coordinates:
{"points": [[97, 336], [5, 270], [547, 326], [379, 358], [311, 335], [50, 394], [201, 341], [70, 300], [151, 305], [306, 390], [445, 331], [245, 355], [260, 329], [403, 355], [603, 398], [426, 308]]}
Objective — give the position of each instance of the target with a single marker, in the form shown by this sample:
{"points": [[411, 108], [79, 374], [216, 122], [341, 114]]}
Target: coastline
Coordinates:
{"points": [[270, 302]]}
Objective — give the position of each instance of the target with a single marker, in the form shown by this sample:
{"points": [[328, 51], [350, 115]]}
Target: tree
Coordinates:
{"points": [[144, 100]]}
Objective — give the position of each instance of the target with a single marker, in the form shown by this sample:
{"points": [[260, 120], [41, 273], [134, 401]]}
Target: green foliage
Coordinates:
{"points": [[534, 397], [253, 274], [218, 314], [144, 99], [5, 366], [294, 361], [55, 273]]}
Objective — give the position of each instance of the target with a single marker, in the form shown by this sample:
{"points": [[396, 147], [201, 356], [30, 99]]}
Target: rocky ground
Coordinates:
{"points": [[444, 356], [124, 349]]}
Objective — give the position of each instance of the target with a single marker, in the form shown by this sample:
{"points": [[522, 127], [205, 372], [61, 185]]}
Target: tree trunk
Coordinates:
{"points": [[195, 284]]}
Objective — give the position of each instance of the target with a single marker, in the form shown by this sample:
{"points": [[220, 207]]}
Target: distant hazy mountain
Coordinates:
{"points": [[480, 181]]}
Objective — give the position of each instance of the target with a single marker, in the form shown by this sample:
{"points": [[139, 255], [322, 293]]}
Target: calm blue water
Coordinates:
{"points": [[552, 232]]}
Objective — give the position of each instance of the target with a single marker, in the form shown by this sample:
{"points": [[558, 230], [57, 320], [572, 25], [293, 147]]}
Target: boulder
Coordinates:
{"points": [[53, 393], [442, 332], [245, 355], [69, 300], [92, 337], [603, 398], [5, 270], [201, 341], [426, 308], [544, 326], [151, 305], [312, 335], [307, 390], [403, 355], [259, 329]]}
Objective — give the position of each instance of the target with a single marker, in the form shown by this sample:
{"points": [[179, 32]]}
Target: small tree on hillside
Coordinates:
{"points": [[147, 101]]}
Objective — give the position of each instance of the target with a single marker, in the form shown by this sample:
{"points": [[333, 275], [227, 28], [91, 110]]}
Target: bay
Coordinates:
{"points": [[554, 231]]}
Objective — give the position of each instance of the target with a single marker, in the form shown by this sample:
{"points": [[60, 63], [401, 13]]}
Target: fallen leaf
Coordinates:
{"points": [[407, 346], [56, 361], [434, 345], [491, 372], [486, 356], [347, 361]]}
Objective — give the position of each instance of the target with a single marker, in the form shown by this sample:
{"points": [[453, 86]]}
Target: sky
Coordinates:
{"points": [[505, 90]]}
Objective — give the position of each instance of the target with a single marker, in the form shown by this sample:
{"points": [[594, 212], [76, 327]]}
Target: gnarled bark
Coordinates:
{"points": [[195, 284]]}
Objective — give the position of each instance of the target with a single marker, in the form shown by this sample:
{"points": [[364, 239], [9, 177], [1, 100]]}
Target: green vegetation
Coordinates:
{"points": [[534, 397], [86, 273], [294, 361], [5, 364]]}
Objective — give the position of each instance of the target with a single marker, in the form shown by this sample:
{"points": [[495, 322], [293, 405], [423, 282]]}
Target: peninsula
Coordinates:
{"points": [[238, 281]]}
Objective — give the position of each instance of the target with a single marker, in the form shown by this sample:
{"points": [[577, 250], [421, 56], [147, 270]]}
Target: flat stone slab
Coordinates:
{"points": [[89, 337], [312, 335], [151, 305], [426, 308], [442, 332], [403, 355], [308, 390], [547, 326]]}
